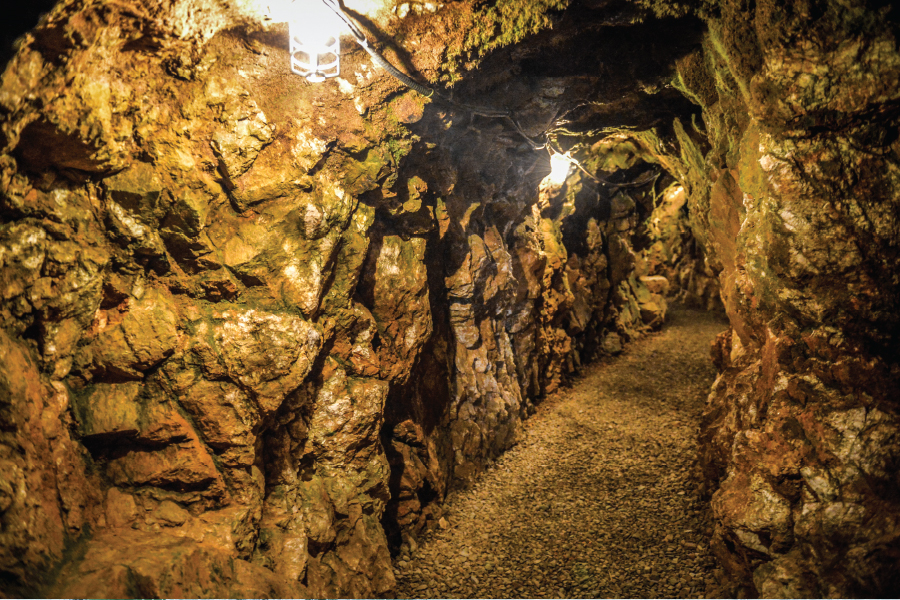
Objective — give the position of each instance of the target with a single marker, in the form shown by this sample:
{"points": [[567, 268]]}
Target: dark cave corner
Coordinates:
{"points": [[255, 329]]}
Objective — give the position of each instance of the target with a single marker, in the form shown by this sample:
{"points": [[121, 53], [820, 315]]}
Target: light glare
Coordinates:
{"points": [[560, 165]]}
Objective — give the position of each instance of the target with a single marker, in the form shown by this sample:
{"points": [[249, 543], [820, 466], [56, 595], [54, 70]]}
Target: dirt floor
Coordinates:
{"points": [[600, 498]]}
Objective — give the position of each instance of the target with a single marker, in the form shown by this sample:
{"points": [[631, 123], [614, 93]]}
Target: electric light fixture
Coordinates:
{"points": [[315, 44], [560, 166]]}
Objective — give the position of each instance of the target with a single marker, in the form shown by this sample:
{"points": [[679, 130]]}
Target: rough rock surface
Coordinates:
{"points": [[246, 316], [255, 329], [674, 255], [797, 201]]}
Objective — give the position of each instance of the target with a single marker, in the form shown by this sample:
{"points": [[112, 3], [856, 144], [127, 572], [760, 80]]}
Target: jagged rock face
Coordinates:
{"points": [[249, 324], [675, 255], [797, 200]]}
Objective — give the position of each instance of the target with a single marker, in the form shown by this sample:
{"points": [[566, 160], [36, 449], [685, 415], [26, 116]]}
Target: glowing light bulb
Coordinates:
{"points": [[560, 165], [315, 33]]}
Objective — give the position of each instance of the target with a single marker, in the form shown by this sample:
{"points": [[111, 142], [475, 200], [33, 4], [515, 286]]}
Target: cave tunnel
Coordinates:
{"points": [[473, 298]]}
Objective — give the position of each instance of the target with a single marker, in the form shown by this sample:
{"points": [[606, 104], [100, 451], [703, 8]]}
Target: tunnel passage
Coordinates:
{"points": [[485, 279], [262, 326]]}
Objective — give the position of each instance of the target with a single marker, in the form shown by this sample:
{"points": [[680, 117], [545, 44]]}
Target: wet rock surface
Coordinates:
{"points": [[600, 498]]}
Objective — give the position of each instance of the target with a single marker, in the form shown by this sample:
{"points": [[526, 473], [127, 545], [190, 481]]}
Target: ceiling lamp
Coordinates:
{"points": [[560, 165], [315, 46]]}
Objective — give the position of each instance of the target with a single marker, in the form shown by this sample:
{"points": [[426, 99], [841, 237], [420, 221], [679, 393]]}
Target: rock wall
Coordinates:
{"points": [[674, 253], [796, 198], [522, 311], [253, 327]]}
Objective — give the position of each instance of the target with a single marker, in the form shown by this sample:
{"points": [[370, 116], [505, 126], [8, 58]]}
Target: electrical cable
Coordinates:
{"points": [[426, 91], [429, 92], [493, 113]]}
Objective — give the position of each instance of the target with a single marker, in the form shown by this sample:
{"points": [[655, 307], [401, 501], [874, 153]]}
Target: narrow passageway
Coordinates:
{"points": [[599, 499]]}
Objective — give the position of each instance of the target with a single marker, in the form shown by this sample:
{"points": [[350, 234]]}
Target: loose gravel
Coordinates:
{"points": [[599, 498]]}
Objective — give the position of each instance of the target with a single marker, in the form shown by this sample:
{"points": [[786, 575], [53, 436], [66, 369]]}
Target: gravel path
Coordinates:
{"points": [[599, 499]]}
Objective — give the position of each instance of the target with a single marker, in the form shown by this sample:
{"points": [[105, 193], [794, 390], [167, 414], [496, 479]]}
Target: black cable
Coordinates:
{"points": [[398, 74], [426, 91]]}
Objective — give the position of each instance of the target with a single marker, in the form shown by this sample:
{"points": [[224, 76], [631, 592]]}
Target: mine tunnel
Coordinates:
{"points": [[472, 298]]}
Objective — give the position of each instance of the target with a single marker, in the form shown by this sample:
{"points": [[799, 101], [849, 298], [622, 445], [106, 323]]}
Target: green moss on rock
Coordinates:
{"points": [[501, 24]]}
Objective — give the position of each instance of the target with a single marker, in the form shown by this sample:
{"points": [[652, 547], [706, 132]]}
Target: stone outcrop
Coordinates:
{"points": [[675, 255], [796, 199]]}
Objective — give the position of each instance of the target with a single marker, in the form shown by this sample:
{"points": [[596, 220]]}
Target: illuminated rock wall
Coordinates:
{"points": [[798, 201], [253, 329], [246, 319]]}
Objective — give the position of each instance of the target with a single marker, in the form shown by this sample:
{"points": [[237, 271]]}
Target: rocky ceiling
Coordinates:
{"points": [[255, 328]]}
